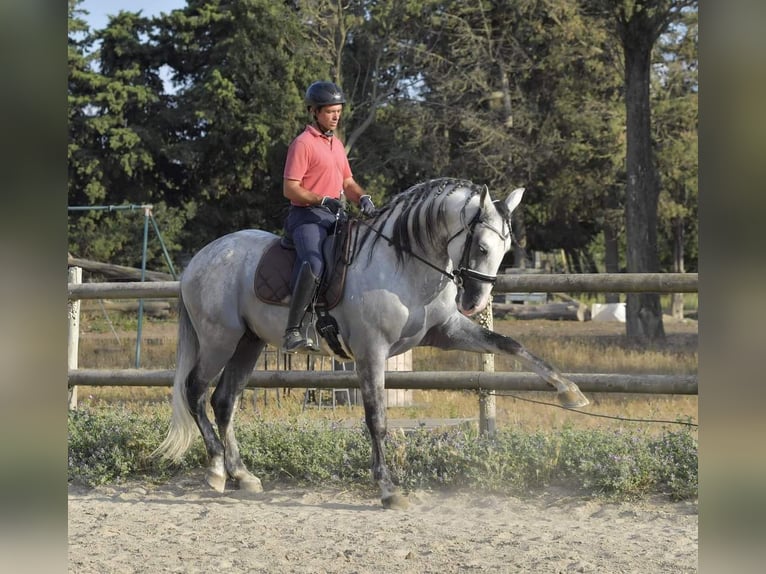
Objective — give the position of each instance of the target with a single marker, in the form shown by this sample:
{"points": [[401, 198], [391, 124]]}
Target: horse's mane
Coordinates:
{"points": [[418, 215]]}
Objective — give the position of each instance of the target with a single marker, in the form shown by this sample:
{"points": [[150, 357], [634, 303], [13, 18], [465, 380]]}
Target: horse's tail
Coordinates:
{"points": [[183, 429]]}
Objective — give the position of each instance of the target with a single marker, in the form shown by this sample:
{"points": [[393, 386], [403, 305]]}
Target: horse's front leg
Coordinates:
{"points": [[372, 384], [460, 333], [569, 394]]}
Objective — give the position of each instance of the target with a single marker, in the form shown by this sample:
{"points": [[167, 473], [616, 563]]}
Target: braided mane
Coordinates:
{"points": [[418, 215]]}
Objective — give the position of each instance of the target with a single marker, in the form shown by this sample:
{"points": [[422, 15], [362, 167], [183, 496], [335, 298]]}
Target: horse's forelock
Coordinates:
{"points": [[502, 208]]}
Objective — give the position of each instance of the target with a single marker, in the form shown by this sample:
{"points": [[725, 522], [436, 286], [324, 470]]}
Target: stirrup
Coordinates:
{"points": [[295, 342]]}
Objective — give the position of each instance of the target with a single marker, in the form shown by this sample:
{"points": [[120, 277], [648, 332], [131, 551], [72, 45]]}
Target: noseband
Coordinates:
{"points": [[463, 271]]}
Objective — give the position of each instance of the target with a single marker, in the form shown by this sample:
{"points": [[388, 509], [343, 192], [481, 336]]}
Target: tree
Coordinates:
{"points": [[84, 180], [675, 135], [368, 47], [119, 139], [240, 71], [582, 140], [504, 92], [638, 24], [517, 97]]}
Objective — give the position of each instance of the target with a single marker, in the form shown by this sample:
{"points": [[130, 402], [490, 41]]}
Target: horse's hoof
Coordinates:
{"points": [[251, 484], [395, 502], [572, 399], [216, 481]]}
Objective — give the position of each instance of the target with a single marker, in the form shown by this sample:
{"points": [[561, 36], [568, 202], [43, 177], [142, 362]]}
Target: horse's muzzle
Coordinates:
{"points": [[471, 305]]}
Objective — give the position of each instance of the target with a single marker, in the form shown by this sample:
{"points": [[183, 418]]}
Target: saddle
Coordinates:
{"points": [[275, 269]]}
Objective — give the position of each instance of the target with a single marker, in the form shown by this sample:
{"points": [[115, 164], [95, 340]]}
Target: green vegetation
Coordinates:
{"points": [[113, 445], [192, 111]]}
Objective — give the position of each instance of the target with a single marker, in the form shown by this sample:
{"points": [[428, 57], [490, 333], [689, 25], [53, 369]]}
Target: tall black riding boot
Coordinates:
{"points": [[296, 340]]}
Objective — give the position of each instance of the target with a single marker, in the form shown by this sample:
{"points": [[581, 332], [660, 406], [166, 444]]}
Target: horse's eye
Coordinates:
{"points": [[483, 250]]}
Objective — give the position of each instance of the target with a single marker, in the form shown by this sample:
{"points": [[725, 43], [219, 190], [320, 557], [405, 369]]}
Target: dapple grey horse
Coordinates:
{"points": [[422, 266]]}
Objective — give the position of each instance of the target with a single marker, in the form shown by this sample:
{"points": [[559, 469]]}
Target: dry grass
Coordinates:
{"points": [[570, 346]]}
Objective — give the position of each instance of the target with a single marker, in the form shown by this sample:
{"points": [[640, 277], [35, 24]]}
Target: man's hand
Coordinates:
{"points": [[367, 206], [332, 204]]}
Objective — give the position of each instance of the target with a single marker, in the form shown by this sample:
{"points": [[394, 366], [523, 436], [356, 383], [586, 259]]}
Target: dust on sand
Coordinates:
{"points": [[182, 526]]}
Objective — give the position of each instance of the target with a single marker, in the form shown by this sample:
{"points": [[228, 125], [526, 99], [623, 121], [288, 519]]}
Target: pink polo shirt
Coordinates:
{"points": [[318, 162]]}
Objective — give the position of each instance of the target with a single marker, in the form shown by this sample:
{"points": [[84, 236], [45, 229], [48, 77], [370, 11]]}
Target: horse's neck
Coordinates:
{"points": [[454, 221], [437, 225]]}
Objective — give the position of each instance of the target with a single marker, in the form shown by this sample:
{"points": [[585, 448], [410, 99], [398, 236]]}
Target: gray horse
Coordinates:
{"points": [[421, 267]]}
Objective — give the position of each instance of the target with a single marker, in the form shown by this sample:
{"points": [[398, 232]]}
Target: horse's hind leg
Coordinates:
{"points": [[196, 388], [230, 386]]}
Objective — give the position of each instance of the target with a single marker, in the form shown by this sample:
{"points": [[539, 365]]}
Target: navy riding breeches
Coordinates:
{"points": [[308, 227]]}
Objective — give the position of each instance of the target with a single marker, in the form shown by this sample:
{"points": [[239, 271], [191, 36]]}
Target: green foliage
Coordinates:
{"points": [[239, 70], [120, 141], [112, 445], [616, 462], [107, 446], [631, 463], [675, 456], [511, 462], [305, 452], [193, 111], [675, 112]]}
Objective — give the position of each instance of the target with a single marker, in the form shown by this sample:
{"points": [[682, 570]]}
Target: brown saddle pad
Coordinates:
{"points": [[272, 276]]}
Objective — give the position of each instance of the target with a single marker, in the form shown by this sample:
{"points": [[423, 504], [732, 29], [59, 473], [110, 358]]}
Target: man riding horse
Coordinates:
{"points": [[418, 274], [316, 173]]}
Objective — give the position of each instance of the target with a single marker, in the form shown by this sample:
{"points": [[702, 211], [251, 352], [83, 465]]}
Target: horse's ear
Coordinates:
{"points": [[514, 199], [484, 195]]}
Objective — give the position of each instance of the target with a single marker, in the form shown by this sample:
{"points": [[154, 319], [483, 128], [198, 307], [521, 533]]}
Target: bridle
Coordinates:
{"points": [[463, 271]]}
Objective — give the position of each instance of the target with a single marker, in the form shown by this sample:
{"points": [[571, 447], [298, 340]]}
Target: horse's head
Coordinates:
{"points": [[488, 239], [456, 214]]}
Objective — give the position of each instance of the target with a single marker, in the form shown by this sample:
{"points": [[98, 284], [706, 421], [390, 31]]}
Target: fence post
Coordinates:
{"points": [[73, 345], [487, 412], [139, 329]]}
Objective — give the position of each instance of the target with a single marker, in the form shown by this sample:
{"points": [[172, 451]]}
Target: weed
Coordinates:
{"points": [[112, 445]]}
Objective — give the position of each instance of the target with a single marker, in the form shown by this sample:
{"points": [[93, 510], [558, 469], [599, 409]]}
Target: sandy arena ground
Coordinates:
{"points": [[184, 527]]}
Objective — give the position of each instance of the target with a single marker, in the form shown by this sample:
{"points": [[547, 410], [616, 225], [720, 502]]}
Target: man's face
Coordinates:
{"points": [[328, 116]]}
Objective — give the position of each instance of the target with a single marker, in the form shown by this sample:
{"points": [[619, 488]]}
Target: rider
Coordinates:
{"points": [[316, 173]]}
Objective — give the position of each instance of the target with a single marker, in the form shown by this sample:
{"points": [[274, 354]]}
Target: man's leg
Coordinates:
{"points": [[296, 339], [308, 268], [308, 239]]}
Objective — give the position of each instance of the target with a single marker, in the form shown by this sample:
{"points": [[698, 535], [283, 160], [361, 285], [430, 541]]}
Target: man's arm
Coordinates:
{"points": [[356, 194], [352, 189], [292, 190]]}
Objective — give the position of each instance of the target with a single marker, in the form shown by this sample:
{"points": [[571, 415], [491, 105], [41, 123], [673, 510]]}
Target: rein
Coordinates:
{"points": [[462, 271], [390, 241]]}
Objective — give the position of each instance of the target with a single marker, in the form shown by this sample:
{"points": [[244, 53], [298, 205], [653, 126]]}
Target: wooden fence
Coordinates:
{"points": [[484, 381], [564, 283], [423, 380]]}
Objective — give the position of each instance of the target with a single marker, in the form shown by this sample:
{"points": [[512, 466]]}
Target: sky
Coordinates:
{"points": [[100, 10]]}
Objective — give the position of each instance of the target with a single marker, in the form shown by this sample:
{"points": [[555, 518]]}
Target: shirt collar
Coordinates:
{"points": [[315, 132]]}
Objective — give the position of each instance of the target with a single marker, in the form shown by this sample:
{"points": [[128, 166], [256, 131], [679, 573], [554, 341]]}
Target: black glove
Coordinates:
{"points": [[367, 206], [334, 205]]}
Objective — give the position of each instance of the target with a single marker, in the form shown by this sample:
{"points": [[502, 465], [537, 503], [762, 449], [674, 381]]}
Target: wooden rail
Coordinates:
{"points": [[489, 381], [506, 283], [424, 380], [599, 282]]}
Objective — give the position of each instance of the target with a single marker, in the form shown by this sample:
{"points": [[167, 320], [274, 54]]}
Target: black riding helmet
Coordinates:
{"points": [[324, 94]]}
